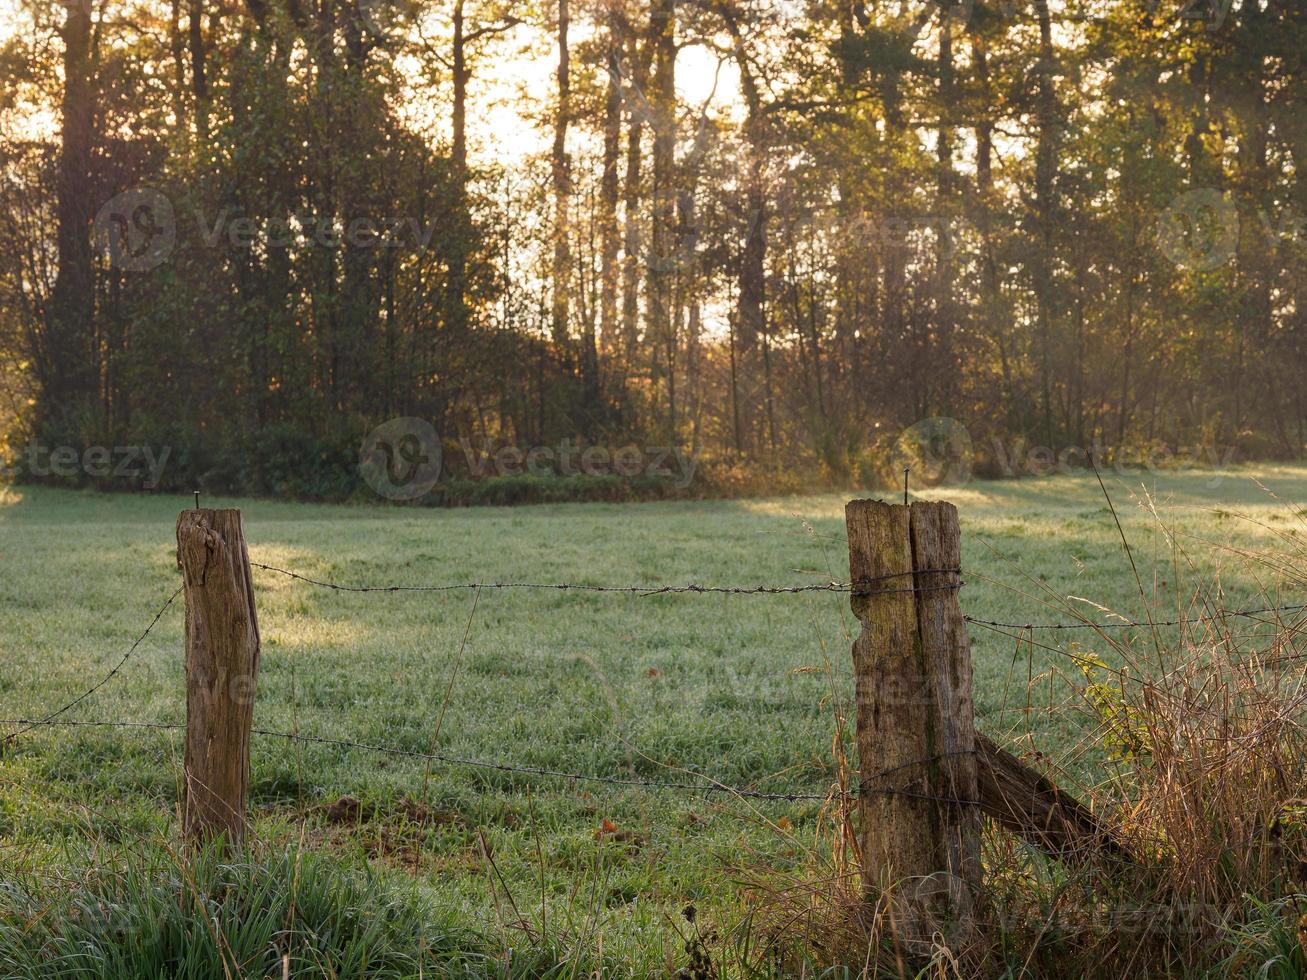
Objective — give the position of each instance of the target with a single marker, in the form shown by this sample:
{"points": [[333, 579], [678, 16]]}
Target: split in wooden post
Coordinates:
{"points": [[222, 662]]}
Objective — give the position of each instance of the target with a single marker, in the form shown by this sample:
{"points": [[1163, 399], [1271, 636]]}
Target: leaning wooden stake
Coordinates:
{"points": [[1030, 805], [222, 662], [918, 803]]}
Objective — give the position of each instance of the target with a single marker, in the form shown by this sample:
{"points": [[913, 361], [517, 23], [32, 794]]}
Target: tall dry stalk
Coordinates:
{"points": [[1196, 743]]}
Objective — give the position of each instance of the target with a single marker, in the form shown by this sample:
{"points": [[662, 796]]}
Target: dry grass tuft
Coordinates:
{"points": [[1197, 744]]}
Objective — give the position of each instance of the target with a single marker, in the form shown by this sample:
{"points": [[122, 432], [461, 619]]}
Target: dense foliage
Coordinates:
{"points": [[770, 234]]}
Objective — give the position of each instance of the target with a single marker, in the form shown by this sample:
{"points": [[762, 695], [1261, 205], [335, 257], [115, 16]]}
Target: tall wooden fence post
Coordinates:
{"points": [[222, 662], [920, 822]]}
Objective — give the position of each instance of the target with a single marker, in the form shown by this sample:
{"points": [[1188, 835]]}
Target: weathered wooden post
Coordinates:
{"points": [[918, 802], [222, 662]]}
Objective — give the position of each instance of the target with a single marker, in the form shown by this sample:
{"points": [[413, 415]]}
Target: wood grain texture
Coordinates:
{"points": [[946, 652], [1031, 806], [222, 662], [899, 839]]}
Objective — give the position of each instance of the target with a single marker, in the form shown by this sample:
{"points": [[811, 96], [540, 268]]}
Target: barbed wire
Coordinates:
{"points": [[837, 587], [633, 589], [646, 590], [1140, 624], [105, 679], [640, 590]]}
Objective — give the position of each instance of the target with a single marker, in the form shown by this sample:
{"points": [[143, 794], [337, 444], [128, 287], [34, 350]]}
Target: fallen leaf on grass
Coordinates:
{"points": [[611, 831]]}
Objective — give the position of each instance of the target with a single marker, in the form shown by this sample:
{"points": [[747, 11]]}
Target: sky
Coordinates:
{"points": [[510, 87]]}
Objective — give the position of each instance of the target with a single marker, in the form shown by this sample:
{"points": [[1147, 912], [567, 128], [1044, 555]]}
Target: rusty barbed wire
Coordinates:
{"points": [[846, 588], [647, 590], [105, 679], [640, 590], [1140, 624]]}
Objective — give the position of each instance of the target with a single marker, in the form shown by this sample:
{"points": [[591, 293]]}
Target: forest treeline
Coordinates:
{"points": [[253, 230]]}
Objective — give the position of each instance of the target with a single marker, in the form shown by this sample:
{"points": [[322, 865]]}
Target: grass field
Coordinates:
{"points": [[737, 687]]}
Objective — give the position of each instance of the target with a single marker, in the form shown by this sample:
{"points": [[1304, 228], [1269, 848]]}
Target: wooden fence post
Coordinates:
{"points": [[222, 662], [917, 802]]}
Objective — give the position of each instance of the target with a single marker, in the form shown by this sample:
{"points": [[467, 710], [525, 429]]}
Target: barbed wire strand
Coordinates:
{"points": [[640, 590], [1135, 624], [838, 587], [655, 590], [106, 678]]}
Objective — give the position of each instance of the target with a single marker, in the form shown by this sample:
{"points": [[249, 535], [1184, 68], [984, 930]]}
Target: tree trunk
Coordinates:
{"points": [[561, 171], [199, 78], [660, 270], [177, 47], [639, 57], [945, 313], [991, 316], [753, 261], [68, 375], [609, 243], [456, 309], [1045, 168]]}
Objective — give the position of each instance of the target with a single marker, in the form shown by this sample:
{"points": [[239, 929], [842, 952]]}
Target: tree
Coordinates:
{"points": [[64, 359]]}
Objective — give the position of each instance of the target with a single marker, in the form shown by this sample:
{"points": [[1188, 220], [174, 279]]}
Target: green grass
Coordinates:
{"points": [[732, 686], [297, 910]]}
